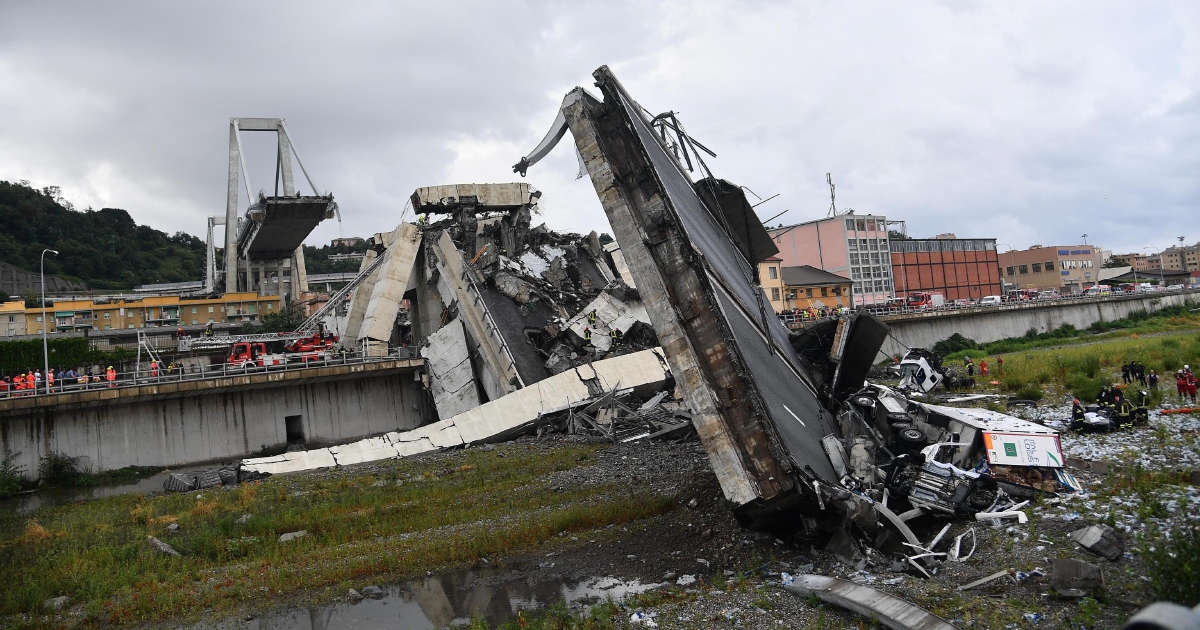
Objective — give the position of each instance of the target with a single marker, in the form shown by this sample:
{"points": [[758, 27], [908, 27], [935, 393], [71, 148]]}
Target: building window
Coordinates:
{"points": [[1049, 266], [193, 312], [824, 291], [210, 309], [1037, 267], [791, 294], [837, 291], [106, 315], [270, 306], [774, 294], [1024, 269], [1009, 271], [808, 293], [850, 224], [853, 244], [860, 225], [773, 272]]}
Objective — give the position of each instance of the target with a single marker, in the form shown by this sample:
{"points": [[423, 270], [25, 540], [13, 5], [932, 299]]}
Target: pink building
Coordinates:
{"points": [[851, 246]]}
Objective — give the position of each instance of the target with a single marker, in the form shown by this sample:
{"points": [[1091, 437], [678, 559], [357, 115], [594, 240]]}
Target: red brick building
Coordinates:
{"points": [[958, 268]]}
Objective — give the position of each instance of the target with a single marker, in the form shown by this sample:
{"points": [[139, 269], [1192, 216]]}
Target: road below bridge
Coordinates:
{"points": [[992, 323]]}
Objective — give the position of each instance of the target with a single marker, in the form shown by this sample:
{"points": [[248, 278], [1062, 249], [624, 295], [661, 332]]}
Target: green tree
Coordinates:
{"points": [[287, 319], [104, 248]]}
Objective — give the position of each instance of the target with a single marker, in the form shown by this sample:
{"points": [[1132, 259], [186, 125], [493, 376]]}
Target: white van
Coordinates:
{"points": [[990, 300]]}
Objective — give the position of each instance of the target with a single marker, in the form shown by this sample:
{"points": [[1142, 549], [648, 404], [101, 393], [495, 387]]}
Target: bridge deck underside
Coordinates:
{"points": [[286, 222]]}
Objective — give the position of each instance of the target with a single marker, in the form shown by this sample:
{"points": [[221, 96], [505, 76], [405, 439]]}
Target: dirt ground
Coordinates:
{"points": [[711, 572]]}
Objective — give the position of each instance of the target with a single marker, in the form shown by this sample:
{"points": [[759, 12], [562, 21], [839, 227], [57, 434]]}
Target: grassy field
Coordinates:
{"points": [[406, 517], [1080, 370], [1167, 320]]}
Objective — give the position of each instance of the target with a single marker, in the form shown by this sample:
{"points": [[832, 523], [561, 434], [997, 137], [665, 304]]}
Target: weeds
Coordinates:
{"points": [[436, 517], [1173, 565], [12, 476], [59, 468]]}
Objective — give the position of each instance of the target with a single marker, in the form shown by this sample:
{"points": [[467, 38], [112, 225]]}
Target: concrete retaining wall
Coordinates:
{"points": [[230, 419], [1013, 320]]}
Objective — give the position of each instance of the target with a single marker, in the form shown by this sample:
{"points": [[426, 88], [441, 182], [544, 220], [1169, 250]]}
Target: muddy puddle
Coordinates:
{"points": [[448, 600], [47, 497]]}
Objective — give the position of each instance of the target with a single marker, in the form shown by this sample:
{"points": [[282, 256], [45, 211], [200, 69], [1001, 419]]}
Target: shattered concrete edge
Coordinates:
{"points": [[892, 612], [492, 421], [391, 282]]}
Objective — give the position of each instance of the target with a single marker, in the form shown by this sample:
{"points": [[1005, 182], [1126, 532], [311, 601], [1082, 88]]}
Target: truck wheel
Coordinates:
{"points": [[910, 440]]}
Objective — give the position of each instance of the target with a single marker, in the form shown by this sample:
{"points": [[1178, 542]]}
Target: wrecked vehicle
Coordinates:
{"points": [[921, 371], [1114, 411]]}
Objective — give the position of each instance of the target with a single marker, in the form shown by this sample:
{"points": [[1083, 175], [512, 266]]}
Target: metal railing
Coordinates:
{"points": [[790, 317], [149, 376]]}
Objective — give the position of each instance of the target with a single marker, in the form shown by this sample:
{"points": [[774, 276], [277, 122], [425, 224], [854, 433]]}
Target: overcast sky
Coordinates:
{"points": [[1027, 122]]}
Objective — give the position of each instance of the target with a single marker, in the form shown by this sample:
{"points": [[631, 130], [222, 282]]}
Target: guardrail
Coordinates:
{"points": [[790, 317], [147, 375]]}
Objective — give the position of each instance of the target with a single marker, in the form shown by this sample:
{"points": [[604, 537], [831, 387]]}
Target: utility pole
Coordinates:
{"points": [[45, 324]]}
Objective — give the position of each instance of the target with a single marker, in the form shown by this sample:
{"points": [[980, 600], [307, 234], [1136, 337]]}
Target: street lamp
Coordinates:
{"points": [[1085, 239], [45, 323]]}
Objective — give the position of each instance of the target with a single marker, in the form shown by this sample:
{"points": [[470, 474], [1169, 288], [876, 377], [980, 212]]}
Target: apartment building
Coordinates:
{"points": [[854, 247], [147, 312], [1066, 268]]}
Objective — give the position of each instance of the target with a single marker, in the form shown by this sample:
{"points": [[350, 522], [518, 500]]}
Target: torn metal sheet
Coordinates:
{"points": [[642, 372], [890, 611], [448, 363]]}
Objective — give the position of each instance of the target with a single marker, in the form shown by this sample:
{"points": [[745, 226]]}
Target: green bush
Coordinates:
{"points": [[1030, 392], [59, 468], [1174, 566], [12, 476], [72, 352], [1084, 387], [955, 343]]}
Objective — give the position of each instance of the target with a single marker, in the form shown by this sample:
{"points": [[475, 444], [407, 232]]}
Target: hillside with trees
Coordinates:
{"points": [[104, 248]]}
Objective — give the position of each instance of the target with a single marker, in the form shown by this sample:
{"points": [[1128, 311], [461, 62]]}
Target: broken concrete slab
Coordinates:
{"points": [[1100, 540], [361, 296], [448, 363], [160, 546], [614, 251], [605, 314], [290, 536], [391, 282], [892, 612], [641, 372], [1075, 578], [498, 371]]}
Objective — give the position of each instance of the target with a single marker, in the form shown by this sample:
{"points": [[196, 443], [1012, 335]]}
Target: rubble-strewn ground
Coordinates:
{"points": [[667, 522]]}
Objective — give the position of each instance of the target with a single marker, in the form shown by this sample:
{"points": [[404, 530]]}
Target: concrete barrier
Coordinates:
{"points": [[1014, 320], [219, 419]]}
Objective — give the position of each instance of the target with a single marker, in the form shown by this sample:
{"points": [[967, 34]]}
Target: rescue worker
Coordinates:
{"points": [[1141, 373], [19, 383], [1181, 387], [4, 386], [591, 317], [49, 380], [587, 335], [1192, 385], [153, 369], [983, 368], [208, 330], [1125, 372], [1153, 379], [616, 336], [110, 375], [999, 365]]}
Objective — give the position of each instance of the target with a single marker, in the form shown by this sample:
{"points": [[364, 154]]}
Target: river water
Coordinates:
{"points": [[447, 600]]}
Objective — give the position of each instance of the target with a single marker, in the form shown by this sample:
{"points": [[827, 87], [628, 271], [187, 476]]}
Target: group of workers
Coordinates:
{"points": [[615, 335], [30, 383], [1185, 384], [969, 366]]}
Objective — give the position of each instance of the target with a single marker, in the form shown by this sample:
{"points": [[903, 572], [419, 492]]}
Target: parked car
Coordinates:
{"points": [[990, 300], [963, 302], [1175, 287], [1048, 295]]}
